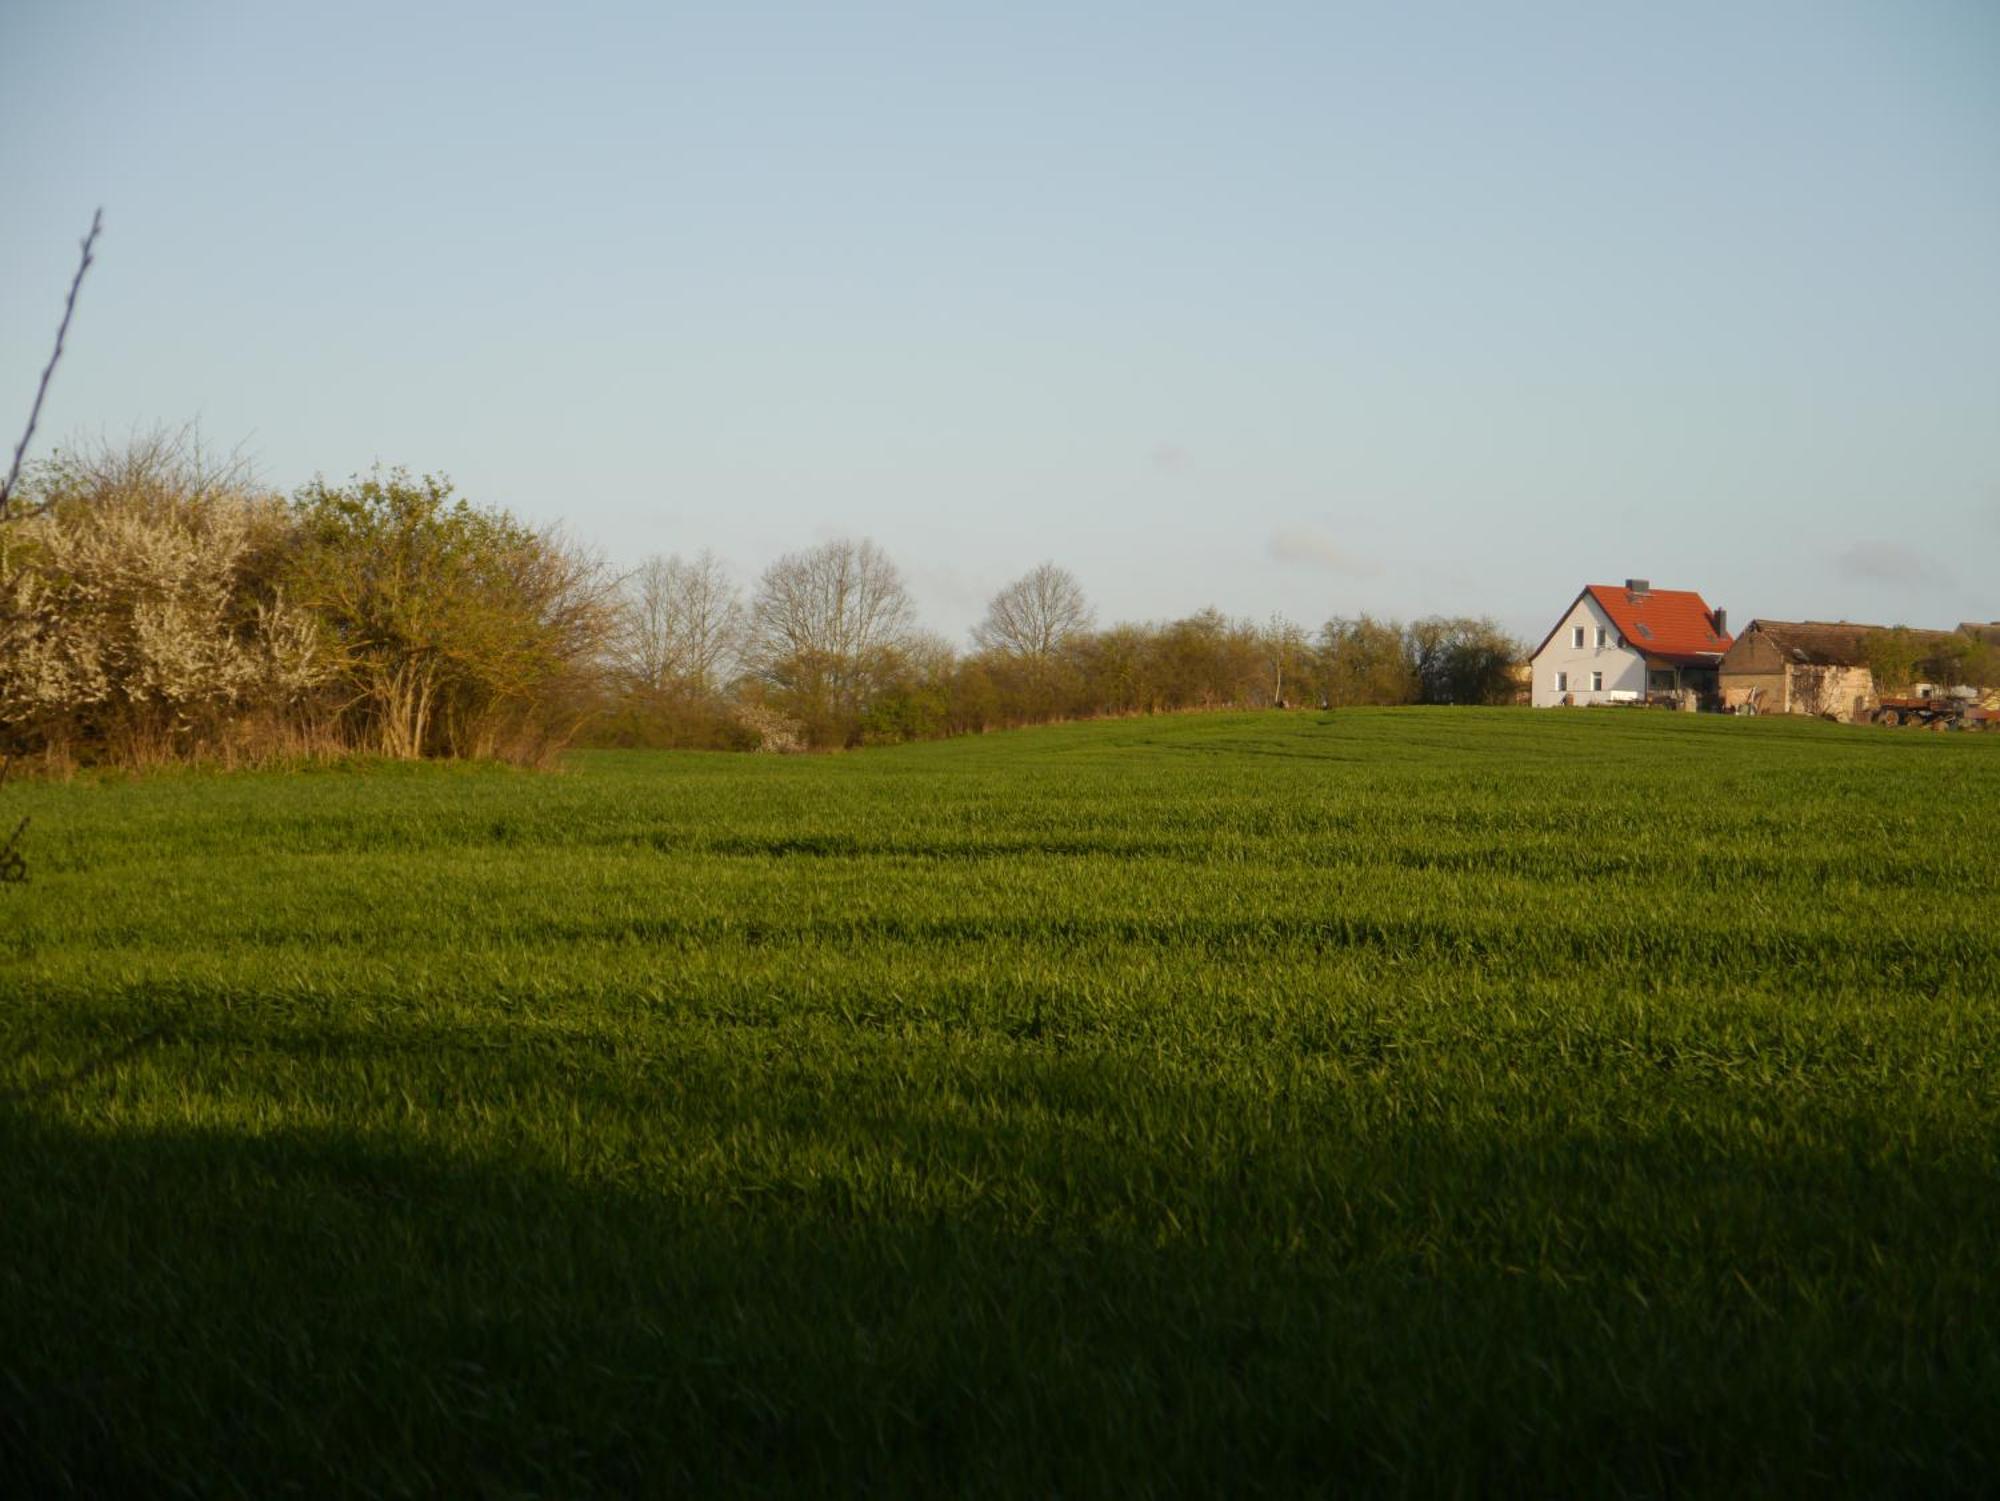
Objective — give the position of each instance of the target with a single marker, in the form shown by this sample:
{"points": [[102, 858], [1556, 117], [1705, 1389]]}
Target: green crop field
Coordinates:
{"points": [[1398, 1101]]}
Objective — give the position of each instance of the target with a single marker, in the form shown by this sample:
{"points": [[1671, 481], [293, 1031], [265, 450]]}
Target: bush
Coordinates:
{"points": [[640, 719], [455, 630], [140, 620]]}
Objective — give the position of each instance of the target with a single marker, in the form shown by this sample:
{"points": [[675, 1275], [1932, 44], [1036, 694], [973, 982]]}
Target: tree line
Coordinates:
{"points": [[1899, 659], [157, 604], [823, 650]]}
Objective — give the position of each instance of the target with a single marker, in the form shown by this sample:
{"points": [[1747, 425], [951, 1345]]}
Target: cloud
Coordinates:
{"points": [[1310, 549], [1887, 563]]}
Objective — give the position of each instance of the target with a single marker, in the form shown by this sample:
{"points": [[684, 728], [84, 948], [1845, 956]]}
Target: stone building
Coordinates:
{"points": [[1800, 667]]}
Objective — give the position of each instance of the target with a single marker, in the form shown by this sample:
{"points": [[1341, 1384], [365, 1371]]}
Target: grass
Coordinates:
{"points": [[1402, 1101]]}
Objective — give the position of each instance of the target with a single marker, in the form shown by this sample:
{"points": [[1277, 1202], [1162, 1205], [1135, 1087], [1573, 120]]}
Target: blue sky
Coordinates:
{"points": [[1313, 308]]}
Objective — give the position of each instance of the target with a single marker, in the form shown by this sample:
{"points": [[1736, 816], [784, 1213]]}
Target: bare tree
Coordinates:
{"points": [[680, 624], [1286, 643], [825, 622], [1037, 617]]}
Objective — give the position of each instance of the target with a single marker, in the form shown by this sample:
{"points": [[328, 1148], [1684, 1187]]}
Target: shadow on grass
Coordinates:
{"points": [[339, 1311]]}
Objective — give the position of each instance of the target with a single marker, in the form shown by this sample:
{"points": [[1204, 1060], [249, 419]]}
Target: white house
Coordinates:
{"points": [[1616, 645]]}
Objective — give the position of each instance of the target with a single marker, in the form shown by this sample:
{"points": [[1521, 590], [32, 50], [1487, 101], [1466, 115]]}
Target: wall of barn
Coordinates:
{"points": [[1844, 692], [1764, 689], [1752, 672]]}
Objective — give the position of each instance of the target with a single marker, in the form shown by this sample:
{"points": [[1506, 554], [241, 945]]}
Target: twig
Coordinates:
{"points": [[48, 371]]}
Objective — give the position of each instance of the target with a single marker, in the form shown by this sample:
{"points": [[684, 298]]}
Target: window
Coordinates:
{"points": [[1597, 682], [1562, 682], [1600, 638], [1576, 636]]}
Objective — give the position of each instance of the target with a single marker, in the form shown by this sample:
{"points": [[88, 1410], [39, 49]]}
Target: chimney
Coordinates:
{"points": [[1638, 586], [1721, 622]]}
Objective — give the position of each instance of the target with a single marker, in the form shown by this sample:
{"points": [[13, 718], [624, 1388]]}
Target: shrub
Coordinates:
{"points": [[138, 618], [456, 630]]}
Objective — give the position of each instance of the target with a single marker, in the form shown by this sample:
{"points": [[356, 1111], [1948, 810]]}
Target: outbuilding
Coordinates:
{"points": [[1814, 667]]}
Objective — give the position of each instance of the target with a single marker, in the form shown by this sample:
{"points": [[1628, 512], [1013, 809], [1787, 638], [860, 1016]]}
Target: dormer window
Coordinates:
{"points": [[1576, 637]]}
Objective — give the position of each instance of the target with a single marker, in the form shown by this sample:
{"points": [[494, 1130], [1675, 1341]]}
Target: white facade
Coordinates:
{"points": [[1583, 662]]}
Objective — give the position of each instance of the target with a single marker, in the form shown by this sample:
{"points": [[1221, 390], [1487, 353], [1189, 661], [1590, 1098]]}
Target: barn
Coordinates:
{"points": [[1813, 667]]}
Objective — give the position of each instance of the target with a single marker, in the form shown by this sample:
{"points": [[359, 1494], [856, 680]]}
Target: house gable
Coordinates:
{"points": [[1561, 670]]}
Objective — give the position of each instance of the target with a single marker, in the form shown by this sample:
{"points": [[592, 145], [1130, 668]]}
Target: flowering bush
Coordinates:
{"points": [[134, 620]]}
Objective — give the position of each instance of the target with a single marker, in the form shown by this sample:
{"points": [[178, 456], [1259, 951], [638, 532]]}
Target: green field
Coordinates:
{"points": [[1405, 1100]]}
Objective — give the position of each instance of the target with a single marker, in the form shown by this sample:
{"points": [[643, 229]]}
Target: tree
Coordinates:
{"points": [[913, 696], [1207, 661], [459, 630], [1900, 658], [1286, 643], [1462, 660], [1952, 660], [1982, 663], [1365, 661], [1031, 636], [680, 625], [1118, 670], [1892, 659], [823, 630], [1037, 618]]}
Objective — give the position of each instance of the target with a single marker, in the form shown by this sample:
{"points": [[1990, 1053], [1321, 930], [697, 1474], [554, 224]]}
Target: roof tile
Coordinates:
{"points": [[1673, 625]]}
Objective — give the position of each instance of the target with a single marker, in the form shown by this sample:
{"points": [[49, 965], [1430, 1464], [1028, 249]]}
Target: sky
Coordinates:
{"points": [[1312, 308]]}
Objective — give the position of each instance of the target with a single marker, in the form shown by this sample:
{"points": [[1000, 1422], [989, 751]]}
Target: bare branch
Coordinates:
{"points": [[49, 370]]}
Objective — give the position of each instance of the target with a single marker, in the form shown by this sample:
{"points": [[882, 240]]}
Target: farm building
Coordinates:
{"points": [[1800, 667], [1625, 645]]}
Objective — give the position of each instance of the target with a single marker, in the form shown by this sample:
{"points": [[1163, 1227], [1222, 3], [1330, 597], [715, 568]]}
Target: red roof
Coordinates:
{"points": [[1667, 625], [1675, 625]]}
